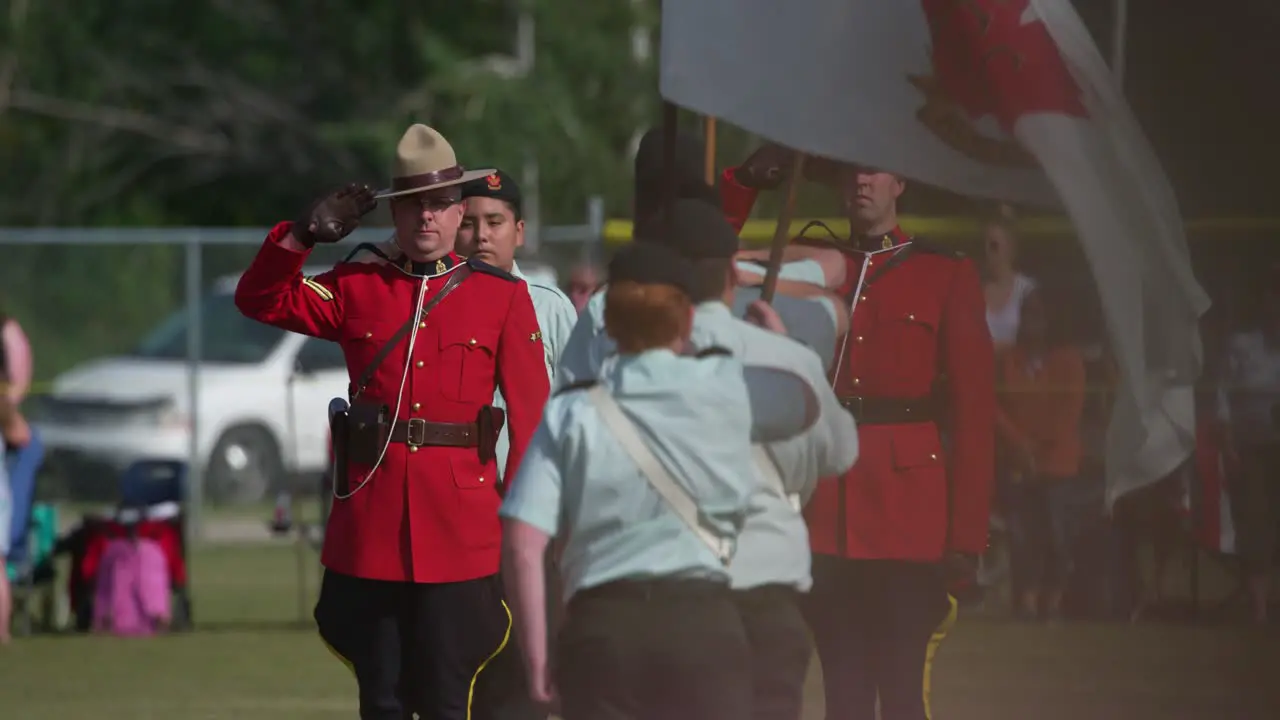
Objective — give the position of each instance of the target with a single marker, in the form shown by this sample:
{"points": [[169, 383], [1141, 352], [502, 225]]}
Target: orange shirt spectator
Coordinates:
{"points": [[1042, 398]]}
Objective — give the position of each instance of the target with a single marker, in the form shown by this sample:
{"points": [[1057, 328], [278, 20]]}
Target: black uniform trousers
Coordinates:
{"points": [[780, 650], [876, 624], [425, 648], [653, 650]]}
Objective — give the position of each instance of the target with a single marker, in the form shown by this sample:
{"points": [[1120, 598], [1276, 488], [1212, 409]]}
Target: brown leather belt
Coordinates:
{"points": [[418, 432], [890, 411]]}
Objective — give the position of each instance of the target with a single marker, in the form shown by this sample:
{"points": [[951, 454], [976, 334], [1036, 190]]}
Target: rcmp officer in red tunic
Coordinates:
{"points": [[410, 598], [911, 514]]}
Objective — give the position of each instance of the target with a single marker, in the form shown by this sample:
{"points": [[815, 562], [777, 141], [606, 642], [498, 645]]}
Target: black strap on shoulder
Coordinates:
{"points": [[579, 385], [820, 225], [486, 268], [366, 246], [454, 281], [713, 351], [893, 262], [927, 246]]}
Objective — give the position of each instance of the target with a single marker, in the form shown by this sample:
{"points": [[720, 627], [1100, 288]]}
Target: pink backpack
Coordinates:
{"points": [[132, 595]]}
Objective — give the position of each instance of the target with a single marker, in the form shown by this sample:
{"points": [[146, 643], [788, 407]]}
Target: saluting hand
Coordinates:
{"points": [[334, 216]]}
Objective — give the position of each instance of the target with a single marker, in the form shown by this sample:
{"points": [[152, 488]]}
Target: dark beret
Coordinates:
{"points": [[698, 231], [649, 264], [497, 185]]}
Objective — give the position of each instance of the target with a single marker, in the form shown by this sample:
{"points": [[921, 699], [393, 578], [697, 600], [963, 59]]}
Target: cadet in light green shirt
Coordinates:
{"points": [[492, 229], [650, 620], [772, 564]]}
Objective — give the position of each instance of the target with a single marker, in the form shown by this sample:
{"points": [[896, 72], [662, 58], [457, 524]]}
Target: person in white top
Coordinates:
{"points": [[1249, 417], [1005, 288]]}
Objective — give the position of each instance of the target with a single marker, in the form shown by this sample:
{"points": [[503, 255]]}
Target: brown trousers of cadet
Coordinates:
{"points": [[665, 649], [876, 625]]}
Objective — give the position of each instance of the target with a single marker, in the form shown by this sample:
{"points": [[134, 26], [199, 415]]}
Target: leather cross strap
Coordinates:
{"points": [[773, 476], [454, 281], [683, 504]]}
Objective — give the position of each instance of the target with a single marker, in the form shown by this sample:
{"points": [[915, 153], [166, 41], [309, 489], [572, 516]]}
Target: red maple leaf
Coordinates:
{"points": [[988, 62]]}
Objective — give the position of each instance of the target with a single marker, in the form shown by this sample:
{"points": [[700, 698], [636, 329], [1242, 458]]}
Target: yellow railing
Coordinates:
{"points": [[619, 231]]}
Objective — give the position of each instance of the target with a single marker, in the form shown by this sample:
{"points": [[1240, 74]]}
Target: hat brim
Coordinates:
{"points": [[467, 177]]}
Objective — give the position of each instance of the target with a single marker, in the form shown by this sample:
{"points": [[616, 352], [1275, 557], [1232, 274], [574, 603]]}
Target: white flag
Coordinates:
{"points": [[999, 99]]}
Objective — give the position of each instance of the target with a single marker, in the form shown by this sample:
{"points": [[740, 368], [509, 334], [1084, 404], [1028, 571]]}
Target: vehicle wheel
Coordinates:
{"points": [[244, 466]]}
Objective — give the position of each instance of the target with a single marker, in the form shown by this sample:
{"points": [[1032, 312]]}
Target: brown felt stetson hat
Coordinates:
{"points": [[425, 161]]}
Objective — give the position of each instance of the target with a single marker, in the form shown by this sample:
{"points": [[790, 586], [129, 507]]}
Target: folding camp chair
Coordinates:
{"points": [[30, 563], [153, 494]]}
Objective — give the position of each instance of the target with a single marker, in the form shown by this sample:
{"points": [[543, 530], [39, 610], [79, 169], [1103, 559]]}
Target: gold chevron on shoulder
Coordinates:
{"points": [[325, 293]]}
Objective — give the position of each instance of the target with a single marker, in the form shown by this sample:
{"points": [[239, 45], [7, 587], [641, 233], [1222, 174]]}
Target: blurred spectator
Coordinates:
{"points": [[25, 450], [1249, 417], [1004, 286], [6, 519], [584, 280], [1042, 393]]}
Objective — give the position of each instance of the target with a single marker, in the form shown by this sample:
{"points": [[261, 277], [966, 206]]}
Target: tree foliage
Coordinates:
{"points": [[232, 112], [237, 112]]}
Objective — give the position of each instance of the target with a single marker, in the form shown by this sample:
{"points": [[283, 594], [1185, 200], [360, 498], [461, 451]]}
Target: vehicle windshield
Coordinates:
{"points": [[227, 336]]}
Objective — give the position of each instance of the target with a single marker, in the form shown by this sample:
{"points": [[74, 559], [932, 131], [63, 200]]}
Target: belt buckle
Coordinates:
{"points": [[416, 435]]}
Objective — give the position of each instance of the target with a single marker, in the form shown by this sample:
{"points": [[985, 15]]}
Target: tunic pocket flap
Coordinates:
{"points": [[370, 331], [925, 315], [454, 334], [916, 447], [469, 473]]}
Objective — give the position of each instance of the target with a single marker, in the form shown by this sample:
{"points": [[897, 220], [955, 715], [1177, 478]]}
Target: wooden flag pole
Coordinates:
{"points": [[781, 233], [709, 140]]}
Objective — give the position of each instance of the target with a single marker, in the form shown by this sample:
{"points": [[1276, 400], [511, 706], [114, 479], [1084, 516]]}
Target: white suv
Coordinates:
{"points": [[262, 401]]}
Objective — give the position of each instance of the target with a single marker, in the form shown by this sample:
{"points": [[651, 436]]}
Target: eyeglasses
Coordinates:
{"points": [[434, 203]]}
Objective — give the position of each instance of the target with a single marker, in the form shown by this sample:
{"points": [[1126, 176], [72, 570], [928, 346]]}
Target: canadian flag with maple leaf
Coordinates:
{"points": [[997, 99]]}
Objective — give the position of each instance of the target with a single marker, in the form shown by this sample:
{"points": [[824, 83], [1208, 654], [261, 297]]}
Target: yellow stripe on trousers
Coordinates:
{"points": [[341, 658], [506, 637], [471, 690], [939, 634]]}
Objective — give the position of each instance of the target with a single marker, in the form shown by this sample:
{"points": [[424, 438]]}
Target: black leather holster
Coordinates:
{"points": [[367, 429], [489, 424]]}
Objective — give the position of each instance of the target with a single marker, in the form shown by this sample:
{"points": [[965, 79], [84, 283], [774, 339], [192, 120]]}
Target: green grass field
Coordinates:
{"points": [[251, 659]]}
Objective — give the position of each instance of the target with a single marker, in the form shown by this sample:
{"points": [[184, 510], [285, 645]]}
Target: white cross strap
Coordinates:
{"points": [[772, 477], [676, 497]]}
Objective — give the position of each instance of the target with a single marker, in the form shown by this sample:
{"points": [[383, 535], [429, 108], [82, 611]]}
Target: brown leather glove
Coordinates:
{"points": [[765, 169], [334, 216]]}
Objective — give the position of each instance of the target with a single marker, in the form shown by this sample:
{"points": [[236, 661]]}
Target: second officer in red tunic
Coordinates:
{"points": [[917, 363], [411, 599]]}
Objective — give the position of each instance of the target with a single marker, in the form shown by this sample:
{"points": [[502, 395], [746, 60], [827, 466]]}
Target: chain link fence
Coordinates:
{"points": [[141, 355]]}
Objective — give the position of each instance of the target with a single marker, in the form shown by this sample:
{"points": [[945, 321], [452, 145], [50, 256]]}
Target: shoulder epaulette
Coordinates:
{"points": [[486, 268], [579, 385], [928, 246], [713, 351]]}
